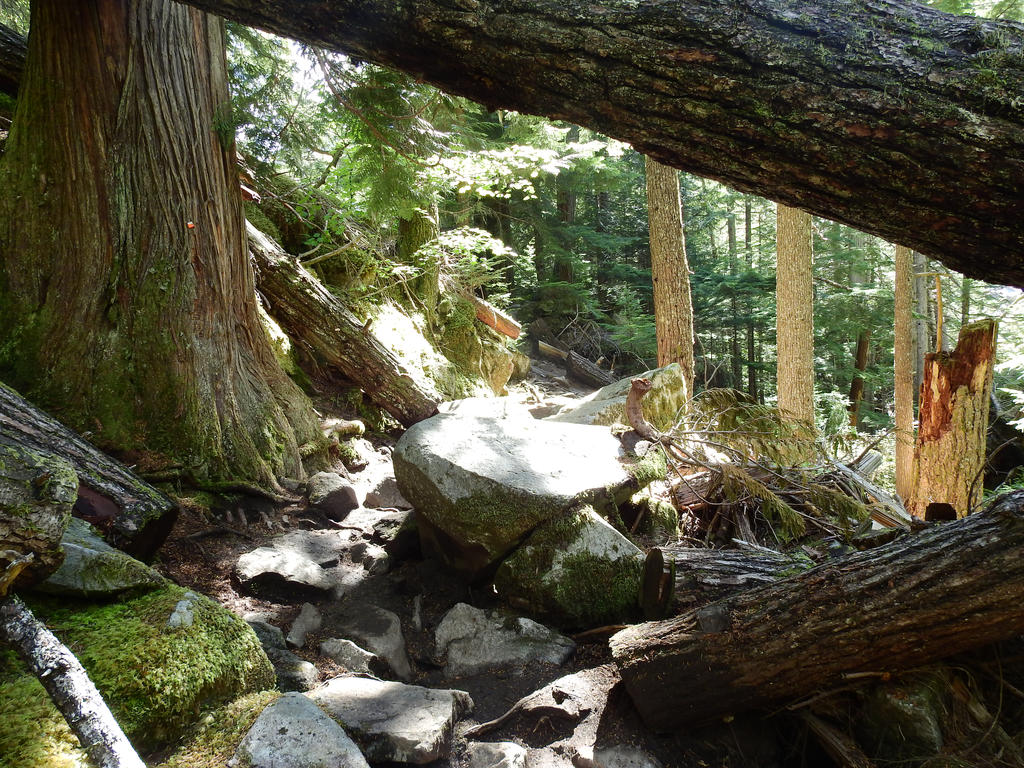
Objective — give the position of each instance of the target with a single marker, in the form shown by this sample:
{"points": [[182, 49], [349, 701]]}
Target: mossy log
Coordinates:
{"points": [[925, 596], [68, 685], [313, 316], [12, 59], [135, 516]]}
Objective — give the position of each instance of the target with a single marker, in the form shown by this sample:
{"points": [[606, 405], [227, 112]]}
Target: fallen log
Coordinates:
{"points": [[134, 516], [922, 597], [68, 685], [585, 371], [312, 315], [492, 317]]}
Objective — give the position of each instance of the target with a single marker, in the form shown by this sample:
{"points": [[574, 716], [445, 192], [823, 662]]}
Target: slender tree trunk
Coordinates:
{"points": [[127, 305], [860, 364], [904, 372], [922, 336], [965, 301], [673, 311], [795, 314], [749, 309], [949, 456], [734, 308]]}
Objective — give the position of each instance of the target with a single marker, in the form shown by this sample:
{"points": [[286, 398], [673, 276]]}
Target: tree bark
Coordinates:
{"points": [[920, 598], [860, 364], [670, 272], [949, 455], [311, 314], [12, 60], [140, 516], [127, 306], [891, 117], [585, 371], [69, 686], [794, 308], [903, 372]]}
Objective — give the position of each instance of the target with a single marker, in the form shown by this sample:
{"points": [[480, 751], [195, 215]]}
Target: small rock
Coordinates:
{"points": [[502, 754], [293, 732], [386, 494], [474, 641], [268, 566], [308, 620], [332, 494], [616, 756], [902, 720], [379, 631], [352, 657], [293, 673], [183, 615], [394, 721], [269, 635]]}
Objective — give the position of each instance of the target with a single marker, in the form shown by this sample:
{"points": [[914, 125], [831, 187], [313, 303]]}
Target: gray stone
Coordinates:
{"points": [[474, 642], [486, 408], [577, 571], [608, 405], [386, 494], [352, 657], [293, 673], [183, 614], [308, 620], [92, 568], [294, 733], [502, 754], [332, 494], [380, 632], [394, 721], [902, 720], [269, 635], [270, 566], [481, 485], [615, 756]]}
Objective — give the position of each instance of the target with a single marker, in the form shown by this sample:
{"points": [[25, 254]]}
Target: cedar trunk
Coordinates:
{"points": [[670, 273], [949, 455], [903, 365], [883, 610], [126, 297], [891, 117], [794, 309]]}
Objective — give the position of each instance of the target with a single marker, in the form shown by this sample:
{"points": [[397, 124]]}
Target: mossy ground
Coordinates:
{"points": [[155, 680]]}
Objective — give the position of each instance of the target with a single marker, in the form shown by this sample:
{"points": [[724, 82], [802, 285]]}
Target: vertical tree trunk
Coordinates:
{"points": [[734, 308], [903, 365], [751, 340], [860, 364], [950, 452], [965, 301], [922, 336], [673, 311], [795, 314], [126, 296]]}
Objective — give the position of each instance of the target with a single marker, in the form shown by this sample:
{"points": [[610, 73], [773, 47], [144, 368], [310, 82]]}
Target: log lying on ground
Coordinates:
{"points": [[585, 371], [491, 316], [70, 688], [922, 597], [134, 515], [703, 576], [312, 315]]}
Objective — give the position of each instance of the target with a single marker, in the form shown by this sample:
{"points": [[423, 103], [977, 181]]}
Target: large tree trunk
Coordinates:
{"points": [[126, 295], [903, 372], [949, 456], [312, 315], [670, 273], [953, 587], [892, 117], [69, 686], [794, 312]]}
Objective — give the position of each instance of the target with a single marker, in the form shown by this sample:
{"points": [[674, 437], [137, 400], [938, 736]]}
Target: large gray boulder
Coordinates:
{"points": [[394, 721], [93, 568], [480, 485], [608, 405], [293, 732], [473, 641], [577, 571]]}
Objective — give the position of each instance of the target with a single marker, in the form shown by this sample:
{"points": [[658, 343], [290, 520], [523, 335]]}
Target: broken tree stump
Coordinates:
{"points": [[920, 598], [135, 516], [311, 314], [949, 456]]}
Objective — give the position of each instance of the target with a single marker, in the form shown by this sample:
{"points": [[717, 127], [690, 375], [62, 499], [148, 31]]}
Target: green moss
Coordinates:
{"points": [[649, 468], [259, 219], [154, 679], [348, 454], [213, 742]]}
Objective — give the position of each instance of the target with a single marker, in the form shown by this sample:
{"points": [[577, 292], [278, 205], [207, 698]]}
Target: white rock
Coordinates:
{"points": [[350, 656], [294, 733], [502, 754], [308, 620], [394, 721], [378, 631]]}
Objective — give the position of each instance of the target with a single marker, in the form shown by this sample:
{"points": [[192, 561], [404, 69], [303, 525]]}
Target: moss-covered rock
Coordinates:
{"points": [[213, 742], [155, 678], [575, 571], [608, 405]]}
